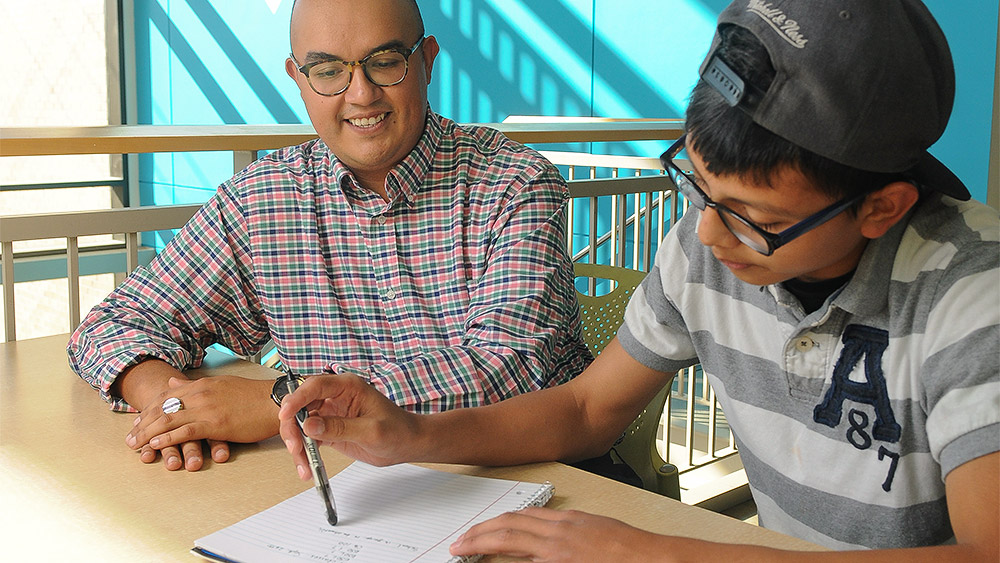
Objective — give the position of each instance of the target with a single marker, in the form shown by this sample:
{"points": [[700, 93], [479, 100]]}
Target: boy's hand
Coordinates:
{"points": [[352, 417], [544, 534]]}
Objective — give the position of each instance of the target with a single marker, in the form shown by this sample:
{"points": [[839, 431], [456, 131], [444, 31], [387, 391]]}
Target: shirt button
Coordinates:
{"points": [[390, 294], [804, 344], [380, 219]]}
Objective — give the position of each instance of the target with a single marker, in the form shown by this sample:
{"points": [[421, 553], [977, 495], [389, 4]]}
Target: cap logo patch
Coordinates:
{"points": [[788, 29]]}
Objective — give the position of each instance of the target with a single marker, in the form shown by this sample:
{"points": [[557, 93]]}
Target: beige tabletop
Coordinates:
{"points": [[71, 490]]}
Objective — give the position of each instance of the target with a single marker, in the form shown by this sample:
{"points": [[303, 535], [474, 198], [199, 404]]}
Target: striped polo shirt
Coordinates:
{"points": [[847, 419], [457, 292]]}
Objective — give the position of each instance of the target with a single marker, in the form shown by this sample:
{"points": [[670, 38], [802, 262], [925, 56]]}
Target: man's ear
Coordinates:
{"points": [[885, 207], [291, 69], [430, 49]]}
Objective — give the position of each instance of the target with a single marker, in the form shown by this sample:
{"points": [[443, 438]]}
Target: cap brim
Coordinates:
{"points": [[934, 175]]}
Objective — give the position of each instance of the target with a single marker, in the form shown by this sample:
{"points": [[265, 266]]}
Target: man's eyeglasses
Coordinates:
{"points": [[742, 228], [382, 68]]}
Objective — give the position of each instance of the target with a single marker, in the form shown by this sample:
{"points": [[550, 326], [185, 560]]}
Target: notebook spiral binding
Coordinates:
{"points": [[539, 498]]}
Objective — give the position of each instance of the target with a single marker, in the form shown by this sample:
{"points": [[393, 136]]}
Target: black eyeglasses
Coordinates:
{"points": [[330, 77], [742, 228]]}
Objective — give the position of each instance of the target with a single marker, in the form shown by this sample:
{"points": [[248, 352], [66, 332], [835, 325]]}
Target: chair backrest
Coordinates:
{"points": [[601, 316]]}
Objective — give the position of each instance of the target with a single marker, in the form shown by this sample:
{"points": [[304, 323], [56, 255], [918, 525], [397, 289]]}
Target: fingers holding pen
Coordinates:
{"points": [[322, 396], [290, 430], [351, 416]]}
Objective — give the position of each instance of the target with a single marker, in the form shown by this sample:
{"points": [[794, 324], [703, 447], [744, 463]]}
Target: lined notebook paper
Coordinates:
{"points": [[397, 513]]}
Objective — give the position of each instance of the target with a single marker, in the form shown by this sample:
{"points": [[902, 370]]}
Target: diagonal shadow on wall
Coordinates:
{"points": [[181, 48], [470, 28], [513, 79], [486, 74], [244, 62], [628, 85]]}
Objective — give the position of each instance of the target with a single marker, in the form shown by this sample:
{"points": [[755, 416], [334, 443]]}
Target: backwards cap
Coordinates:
{"points": [[866, 83]]}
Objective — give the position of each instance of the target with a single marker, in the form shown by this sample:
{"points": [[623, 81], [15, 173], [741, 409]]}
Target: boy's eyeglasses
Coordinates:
{"points": [[382, 68], [742, 228]]}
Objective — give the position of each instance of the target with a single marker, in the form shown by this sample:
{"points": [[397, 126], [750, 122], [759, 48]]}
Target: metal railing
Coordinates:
{"points": [[641, 205], [622, 206]]}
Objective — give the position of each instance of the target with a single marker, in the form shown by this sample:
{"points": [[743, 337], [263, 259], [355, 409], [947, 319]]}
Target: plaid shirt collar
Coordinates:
{"points": [[406, 178]]}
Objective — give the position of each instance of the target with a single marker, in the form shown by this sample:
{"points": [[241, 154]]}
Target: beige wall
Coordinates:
{"points": [[54, 59]]}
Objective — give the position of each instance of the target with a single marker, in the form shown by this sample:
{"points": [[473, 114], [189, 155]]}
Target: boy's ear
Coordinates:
{"points": [[885, 207]]}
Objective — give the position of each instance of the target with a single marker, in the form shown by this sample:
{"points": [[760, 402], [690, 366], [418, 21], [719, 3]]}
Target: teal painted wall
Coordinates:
{"points": [[222, 61]]}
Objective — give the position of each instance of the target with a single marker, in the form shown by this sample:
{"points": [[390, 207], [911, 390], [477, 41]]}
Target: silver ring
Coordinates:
{"points": [[172, 405]]}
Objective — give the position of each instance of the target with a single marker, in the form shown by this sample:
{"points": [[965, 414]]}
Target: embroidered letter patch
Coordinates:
{"points": [[870, 343]]}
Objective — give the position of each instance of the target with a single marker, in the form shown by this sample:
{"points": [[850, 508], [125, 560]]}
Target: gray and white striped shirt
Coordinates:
{"points": [[849, 418]]}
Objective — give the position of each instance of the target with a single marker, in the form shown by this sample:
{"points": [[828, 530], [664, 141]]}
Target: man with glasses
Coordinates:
{"points": [[428, 258], [832, 278]]}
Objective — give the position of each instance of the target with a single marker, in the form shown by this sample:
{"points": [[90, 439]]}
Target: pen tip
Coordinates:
{"points": [[332, 519]]}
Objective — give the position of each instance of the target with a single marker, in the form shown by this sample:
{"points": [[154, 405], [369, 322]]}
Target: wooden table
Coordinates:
{"points": [[71, 490]]}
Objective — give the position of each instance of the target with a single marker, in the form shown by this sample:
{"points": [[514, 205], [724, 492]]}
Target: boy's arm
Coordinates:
{"points": [[578, 419], [556, 535]]}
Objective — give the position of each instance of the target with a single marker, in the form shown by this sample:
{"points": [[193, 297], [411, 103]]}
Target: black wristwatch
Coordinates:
{"points": [[280, 387]]}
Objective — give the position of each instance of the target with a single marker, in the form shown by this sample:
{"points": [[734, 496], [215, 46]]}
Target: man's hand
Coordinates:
{"points": [[543, 534], [218, 409], [352, 417]]}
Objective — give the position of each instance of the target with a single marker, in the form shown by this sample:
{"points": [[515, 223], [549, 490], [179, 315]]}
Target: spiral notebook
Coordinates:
{"points": [[397, 513]]}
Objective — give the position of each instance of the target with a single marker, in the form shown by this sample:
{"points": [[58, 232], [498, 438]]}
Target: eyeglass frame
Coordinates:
{"points": [[304, 69], [690, 190]]}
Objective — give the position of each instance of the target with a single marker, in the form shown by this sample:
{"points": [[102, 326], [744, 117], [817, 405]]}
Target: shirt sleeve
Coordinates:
{"points": [[959, 369], [654, 332], [198, 291], [522, 330]]}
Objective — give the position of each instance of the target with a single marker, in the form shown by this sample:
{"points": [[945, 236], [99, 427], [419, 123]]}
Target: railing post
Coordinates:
{"points": [[131, 252], [73, 280], [7, 248], [689, 439], [242, 159], [570, 213]]}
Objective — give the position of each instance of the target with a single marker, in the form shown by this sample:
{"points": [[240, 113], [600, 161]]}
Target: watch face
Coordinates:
{"points": [[280, 387]]}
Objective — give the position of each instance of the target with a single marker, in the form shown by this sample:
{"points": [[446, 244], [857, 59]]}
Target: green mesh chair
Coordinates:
{"points": [[601, 316]]}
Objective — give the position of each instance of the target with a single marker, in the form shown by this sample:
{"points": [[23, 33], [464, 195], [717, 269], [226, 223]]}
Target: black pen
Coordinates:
{"points": [[315, 461]]}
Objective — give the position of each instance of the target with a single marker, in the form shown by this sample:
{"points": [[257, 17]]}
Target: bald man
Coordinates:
{"points": [[423, 256]]}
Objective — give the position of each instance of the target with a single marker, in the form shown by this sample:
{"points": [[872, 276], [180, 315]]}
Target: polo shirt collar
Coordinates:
{"points": [[867, 292]]}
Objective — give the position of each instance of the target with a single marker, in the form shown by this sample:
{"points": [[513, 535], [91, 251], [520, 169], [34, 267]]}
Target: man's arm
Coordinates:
{"points": [[133, 346], [196, 292]]}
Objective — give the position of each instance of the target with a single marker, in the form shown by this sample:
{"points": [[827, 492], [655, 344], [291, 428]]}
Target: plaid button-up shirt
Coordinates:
{"points": [[457, 292]]}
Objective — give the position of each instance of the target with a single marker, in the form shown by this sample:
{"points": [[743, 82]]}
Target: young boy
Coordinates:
{"points": [[835, 283]]}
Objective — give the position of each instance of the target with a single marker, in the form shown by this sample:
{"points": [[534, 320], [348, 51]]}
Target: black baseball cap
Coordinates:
{"points": [[866, 83]]}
